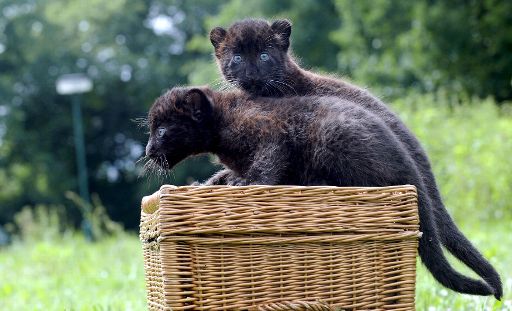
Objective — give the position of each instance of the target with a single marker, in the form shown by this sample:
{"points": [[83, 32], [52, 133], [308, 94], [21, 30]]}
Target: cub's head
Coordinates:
{"points": [[180, 126], [252, 55]]}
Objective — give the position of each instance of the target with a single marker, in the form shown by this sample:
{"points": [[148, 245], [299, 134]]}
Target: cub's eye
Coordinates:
{"points": [[237, 58], [160, 132], [264, 57]]}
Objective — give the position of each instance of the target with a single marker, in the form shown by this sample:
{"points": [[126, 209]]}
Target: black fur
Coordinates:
{"points": [[281, 76], [311, 140]]}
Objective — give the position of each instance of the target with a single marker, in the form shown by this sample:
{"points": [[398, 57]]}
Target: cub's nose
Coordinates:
{"points": [[251, 73], [251, 76]]}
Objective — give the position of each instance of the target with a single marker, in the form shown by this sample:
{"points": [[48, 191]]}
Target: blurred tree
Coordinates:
{"points": [[369, 42], [134, 50], [471, 45], [461, 46]]}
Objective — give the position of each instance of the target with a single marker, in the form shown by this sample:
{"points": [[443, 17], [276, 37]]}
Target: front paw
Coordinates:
{"points": [[219, 178], [238, 181]]}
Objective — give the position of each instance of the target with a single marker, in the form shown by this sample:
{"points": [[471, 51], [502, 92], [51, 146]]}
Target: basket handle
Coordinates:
{"points": [[150, 203], [297, 305]]}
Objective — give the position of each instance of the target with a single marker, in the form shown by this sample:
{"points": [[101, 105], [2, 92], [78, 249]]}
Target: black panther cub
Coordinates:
{"points": [[254, 56], [310, 140]]}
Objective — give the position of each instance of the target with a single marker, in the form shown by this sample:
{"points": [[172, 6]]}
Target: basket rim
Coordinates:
{"points": [[271, 187], [150, 203]]}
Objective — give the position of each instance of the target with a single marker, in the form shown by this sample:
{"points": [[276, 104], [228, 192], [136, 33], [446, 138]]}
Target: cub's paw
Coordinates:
{"points": [[219, 178], [238, 181]]}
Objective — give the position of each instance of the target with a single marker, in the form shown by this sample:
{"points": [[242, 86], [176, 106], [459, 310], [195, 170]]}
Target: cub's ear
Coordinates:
{"points": [[197, 105], [282, 29], [217, 35]]}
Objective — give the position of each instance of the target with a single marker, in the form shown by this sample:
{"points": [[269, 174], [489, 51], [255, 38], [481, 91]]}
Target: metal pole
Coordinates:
{"points": [[83, 185], [81, 164]]}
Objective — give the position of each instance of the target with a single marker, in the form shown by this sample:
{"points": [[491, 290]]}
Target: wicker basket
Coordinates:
{"points": [[280, 248]]}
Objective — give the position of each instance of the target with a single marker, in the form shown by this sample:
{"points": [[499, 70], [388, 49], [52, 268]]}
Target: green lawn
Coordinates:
{"points": [[494, 241], [75, 275]]}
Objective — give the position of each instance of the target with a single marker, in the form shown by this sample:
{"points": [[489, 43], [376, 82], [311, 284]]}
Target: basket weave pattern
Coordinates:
{"points": [[280, 248]]}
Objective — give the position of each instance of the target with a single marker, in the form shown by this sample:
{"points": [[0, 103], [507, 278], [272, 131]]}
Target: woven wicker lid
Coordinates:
{"points": [[266, 209]]}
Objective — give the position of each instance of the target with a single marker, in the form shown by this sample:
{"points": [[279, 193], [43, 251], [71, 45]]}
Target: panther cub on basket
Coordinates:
{"points": [[253, 55], [310, 140]]}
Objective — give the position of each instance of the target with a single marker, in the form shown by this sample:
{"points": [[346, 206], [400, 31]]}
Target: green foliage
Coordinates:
{"points": [[130, 63], [370, 40], [39, 223], [101, 224], [50, 223], [458, 45], [469, 146]]}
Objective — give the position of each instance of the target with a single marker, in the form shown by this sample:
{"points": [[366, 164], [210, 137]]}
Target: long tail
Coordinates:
{"points": [[457, 244], [450, 236], [432, 256]]}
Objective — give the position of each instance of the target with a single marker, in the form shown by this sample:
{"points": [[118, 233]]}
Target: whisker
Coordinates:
{"points": [[291, 88], [142, 159], [141, 122], [275, 87]]}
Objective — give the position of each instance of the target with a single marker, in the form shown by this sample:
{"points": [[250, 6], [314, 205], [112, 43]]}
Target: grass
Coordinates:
{"points": [[72, 274], [494, 241]]}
